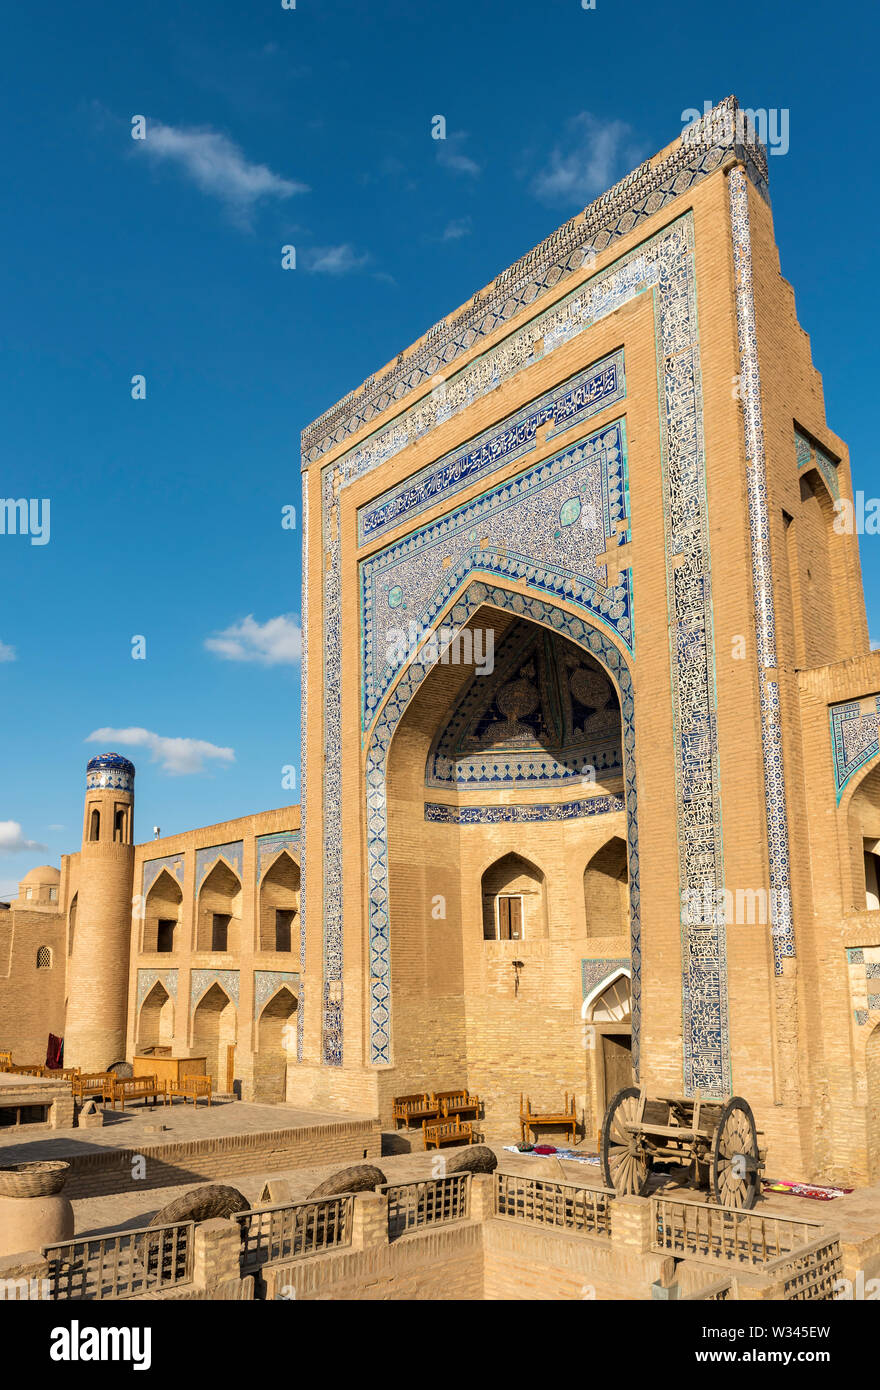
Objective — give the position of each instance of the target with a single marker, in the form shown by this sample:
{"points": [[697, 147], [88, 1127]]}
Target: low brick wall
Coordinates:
{"points": [[168, 1165]]}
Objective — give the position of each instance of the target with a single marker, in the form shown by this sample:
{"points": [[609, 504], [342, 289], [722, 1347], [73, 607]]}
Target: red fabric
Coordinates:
{"points": [[544, 1149], [55, 1052]]}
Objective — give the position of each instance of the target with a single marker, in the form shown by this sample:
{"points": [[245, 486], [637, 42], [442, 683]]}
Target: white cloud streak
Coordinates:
{"points": [[277, 642], [7, 653], [591, 156], [178, 756], [13, 841], [335, 260]]}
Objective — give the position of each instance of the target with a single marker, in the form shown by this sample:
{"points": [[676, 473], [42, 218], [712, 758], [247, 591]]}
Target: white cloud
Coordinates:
{"points": [[875, 645], [277, 642], [592, 155], [179, 756], [457, 228], [451, 156], [7, 653], [335, 260], [12, 841], [217, 166]]}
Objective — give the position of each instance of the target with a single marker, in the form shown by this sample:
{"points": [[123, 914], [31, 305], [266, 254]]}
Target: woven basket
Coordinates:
{"points": [[33, 1179]]}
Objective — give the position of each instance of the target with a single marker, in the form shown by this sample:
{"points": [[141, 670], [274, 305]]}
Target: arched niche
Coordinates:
{"points": [[162, 914], [218, 913], [280, 905], [276, 1047], [514, 900], [606, 890], [607, 1016], [156, 1019], [863, 827], [214, 1032]]}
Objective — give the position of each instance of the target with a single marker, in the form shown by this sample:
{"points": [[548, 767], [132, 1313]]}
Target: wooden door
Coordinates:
{"points": [[230, 1067], [617, 1062]]}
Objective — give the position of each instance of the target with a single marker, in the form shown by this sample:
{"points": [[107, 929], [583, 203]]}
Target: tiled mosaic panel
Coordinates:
{"points": [[654, 185], [207, 858], [268, 982], [585, 394], [147, 978], [812, 455], [570, 735], [202, 980], [762, 575], [153, 867], [596, 970], [603, 650], [855, 738], [270, 845], [863, 966], [548, 526], [438, 814]]}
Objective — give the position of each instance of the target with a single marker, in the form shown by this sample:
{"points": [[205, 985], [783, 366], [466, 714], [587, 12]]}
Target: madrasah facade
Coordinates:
{"points": [[591, 725]]}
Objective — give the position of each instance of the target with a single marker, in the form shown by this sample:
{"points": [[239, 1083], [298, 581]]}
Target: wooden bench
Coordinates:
{"points": [[451, 1103], [123, 1088], [191, 1087], [61, 1073], [5, 1060], [92, 1084], [454, 1131], [531, 1119], [415, 1107], [27, 1069]]}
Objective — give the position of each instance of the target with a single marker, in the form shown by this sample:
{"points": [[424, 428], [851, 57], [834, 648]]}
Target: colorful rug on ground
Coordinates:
{"points": [[548, 1151], [803, 1189]]}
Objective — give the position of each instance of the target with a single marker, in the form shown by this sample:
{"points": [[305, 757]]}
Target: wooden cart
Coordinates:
{"points": [[715, 1138]]}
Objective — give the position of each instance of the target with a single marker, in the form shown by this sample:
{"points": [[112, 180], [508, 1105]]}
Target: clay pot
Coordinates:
{"points": [[40, 1214]]}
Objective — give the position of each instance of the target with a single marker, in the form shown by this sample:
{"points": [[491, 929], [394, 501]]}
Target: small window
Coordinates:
{"points": [[53, 895], [283, 922], [510, 918], [220, 931], [29, 893], [165, 934], [872, 875], [44, 958], [119, 826], [95, 825]]}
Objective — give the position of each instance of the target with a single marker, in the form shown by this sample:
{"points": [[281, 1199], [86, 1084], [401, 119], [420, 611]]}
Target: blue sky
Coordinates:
{"points": [[311, 127]]}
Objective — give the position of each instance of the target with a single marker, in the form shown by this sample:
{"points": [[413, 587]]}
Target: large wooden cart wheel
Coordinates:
{"points": [[626, 1164], [735, 1160]]}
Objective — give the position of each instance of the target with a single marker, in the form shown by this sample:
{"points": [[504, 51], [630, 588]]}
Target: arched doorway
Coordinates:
{"points": [[156, 1019], [71, 923], [276, 1045], [514, 900], [219, 912], [162, 911], [607, 1015], [280, 905], [606, 890], [214, 1030]]}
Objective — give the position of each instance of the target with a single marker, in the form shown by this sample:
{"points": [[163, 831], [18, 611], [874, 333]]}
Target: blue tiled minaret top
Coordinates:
{"points": [[110, 771]]}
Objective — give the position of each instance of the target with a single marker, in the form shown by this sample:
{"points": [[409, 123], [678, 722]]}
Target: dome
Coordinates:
{"points": [[44, 873], [110, 771]]}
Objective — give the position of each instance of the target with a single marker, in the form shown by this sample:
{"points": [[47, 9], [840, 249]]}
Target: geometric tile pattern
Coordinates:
{"points": [[303, 759], [762, 575], [855, 738], [201, 981], [548, 526], [589, 391], [438, 814], [863, 965], [267, 982], [269, 845], [147, 978], [812, 455], [595, 971], [207, 858], [153, 867], [597, 645]]}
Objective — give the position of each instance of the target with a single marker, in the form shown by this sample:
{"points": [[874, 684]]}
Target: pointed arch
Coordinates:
{"points": [[279, 907], [71, 922], [218, 910], [275, 1045], [514, 897], [214, 1031], [606, 890], [163, 912], [155, 1027]]}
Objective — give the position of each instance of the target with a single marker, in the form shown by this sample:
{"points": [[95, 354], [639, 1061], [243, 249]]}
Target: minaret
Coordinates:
{"points": [[97, 980]]}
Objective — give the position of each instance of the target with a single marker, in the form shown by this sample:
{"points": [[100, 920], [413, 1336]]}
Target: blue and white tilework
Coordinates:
{"points": [[110, 772], [518, 530], [268, 982], [270, 845], [438, 814], [153, 867], [591, 390], [812, 455], [202, 980], [147, 978], [855, 738], [762, 575], [207, 858]]}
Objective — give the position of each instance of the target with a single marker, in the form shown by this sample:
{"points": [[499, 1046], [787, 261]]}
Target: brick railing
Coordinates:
{"points": [[721, 1291], [270, 1234], [415, 1205], [695, 1230], [583, 1209], [810, 1275], [122, 1265]]}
